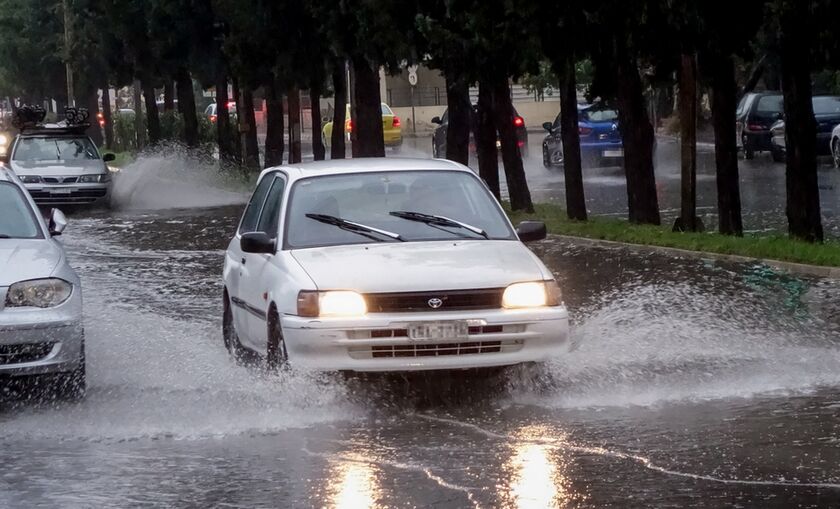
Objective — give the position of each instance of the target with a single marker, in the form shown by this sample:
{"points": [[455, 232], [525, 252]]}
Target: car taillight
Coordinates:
{"points": [[518, 121], [101, 119], [396, 121], [756, 127], [231, 105], [213, 119], [348, 126], [520, 143], [584, 130]]}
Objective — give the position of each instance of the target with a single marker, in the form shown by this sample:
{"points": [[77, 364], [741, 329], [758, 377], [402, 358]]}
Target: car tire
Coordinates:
{"points": [[835, 152], [71, 386], [777, 155], [749, 152], [277, 357], [230, 337]]}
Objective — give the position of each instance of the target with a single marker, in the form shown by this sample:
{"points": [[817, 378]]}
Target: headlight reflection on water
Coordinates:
{"points": [[356, 485], [538, 473]]}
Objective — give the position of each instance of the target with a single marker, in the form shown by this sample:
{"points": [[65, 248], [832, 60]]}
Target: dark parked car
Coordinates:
{"points": [[756, 113], [600, 139], [439, 136], [827, 115]]}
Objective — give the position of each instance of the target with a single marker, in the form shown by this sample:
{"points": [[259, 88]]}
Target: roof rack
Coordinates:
{"points": [[30, 120]]}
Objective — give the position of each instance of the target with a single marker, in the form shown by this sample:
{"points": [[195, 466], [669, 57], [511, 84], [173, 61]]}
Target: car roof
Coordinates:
{"points": [[365, 165]]}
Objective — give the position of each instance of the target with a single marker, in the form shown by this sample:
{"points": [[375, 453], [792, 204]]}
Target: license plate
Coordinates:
{"points": [[614, 153], [428, 331], [61, 190]]}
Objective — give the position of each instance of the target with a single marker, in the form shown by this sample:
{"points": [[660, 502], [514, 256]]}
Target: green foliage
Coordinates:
{"points": [[31, 49], [543, 83]]}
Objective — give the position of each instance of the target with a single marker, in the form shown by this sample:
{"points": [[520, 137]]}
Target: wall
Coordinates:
{"points": [[424, 117]]}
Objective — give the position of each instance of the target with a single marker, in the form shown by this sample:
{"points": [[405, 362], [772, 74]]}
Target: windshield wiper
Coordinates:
{"points": [[433, 220], [356, 228]]}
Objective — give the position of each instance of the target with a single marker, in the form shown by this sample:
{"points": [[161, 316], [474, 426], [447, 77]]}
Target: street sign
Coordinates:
{"points": [[412, 78]]}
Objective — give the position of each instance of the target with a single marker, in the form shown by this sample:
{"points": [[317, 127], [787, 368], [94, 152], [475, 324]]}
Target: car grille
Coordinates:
{"points": [[451, 300], [78, 196], [60, 180], [18, 354], [435, 350]]}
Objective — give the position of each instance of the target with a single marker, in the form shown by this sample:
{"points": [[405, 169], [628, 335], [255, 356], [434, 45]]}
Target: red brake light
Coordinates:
{"points": [[584, 130], [518, 121], [756, 127], [349, 126], [520, 143], [213, 119], [396, 121]]}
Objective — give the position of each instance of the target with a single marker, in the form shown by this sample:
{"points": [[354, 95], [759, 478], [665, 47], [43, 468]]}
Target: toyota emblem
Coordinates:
{"points": [[435, 303]]}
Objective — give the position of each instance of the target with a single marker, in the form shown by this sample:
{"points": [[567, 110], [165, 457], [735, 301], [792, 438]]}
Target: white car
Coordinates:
{"points": [[386, 265], [41, 332]]}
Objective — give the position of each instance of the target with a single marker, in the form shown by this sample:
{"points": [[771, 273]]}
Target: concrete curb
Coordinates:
{"points": [[793, 268]]}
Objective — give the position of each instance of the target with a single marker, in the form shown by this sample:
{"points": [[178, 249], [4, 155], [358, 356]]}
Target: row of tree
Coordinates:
{"points": [[281, 47]]}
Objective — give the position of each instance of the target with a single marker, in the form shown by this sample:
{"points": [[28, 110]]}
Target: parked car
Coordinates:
{"points": [[60, 165], [835, 145], [41, 333], [600, 138], [391, 128], [756, 113], [827, 116], [386, 265], [211, 111], [439, 136]]}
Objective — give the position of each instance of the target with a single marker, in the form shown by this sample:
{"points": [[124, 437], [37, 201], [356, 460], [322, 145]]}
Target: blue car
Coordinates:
{"points": [[600, 139]]}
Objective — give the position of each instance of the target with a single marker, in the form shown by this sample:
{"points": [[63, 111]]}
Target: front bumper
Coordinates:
{"points": [[41, 341], [70, 194], [379, 342]]}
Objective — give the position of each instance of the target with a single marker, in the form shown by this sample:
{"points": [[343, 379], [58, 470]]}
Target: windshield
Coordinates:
{"points": [[599, 115], [769, 104], [54, 149], [826, 105], [370, 199], [17, 220]]}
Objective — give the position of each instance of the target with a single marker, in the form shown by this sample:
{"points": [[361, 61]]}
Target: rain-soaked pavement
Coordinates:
{"points": [[696, 384]]}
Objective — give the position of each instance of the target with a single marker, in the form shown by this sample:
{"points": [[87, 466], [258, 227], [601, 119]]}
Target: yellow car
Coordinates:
{"points": [[391, 128]]}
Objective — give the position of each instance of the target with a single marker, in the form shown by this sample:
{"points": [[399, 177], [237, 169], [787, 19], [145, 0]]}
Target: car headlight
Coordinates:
{"points": [[332, 303], [99, 178], [531, 294], [30, 179], [38, 293], [4, 140]]}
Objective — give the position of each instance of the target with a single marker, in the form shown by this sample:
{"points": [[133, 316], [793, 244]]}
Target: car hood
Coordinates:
{"points": [[420, 266], [21, 260], [58, 168]]}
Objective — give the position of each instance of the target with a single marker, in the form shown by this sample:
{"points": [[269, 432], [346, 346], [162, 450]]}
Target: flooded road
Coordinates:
{"points": [[696, 384]]}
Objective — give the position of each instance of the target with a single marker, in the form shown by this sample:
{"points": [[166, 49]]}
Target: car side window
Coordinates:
{"points": [[252, 212], [270, 217]]}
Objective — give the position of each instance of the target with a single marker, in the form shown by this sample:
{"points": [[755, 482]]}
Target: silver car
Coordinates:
{"points": [[41, 333], [61, 166]]}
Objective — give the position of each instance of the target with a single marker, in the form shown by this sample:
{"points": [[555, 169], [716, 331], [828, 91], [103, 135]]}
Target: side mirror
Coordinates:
{"points": [[531, 231], [109, 157], [436, 120], [257, 243], [548, 126], [58, 222]]}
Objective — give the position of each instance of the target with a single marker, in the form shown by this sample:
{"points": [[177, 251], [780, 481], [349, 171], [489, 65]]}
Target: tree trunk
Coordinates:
{"points": [[152, 119], [274, 144], [572, 164], [803, 194], [224, 136], [688, 144], [237, 126], [91, 102], [140, 138], [367, 134], [107, 116], [186, 105], [248, 125], [293, 100], [460, 116], [338, 150], [318, 151], [638, 137], [724, 104], [169, 94], [503, 113], [485, 140]]}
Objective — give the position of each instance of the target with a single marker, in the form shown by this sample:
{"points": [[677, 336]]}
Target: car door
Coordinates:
{"points": [[236, 275], [259, 266]]}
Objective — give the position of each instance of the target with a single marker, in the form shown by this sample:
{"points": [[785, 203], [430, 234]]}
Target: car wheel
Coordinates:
{"points": [[277, 356], [71, 386], [777, 155], [749, 152], [230, 337], [835, 152]]}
